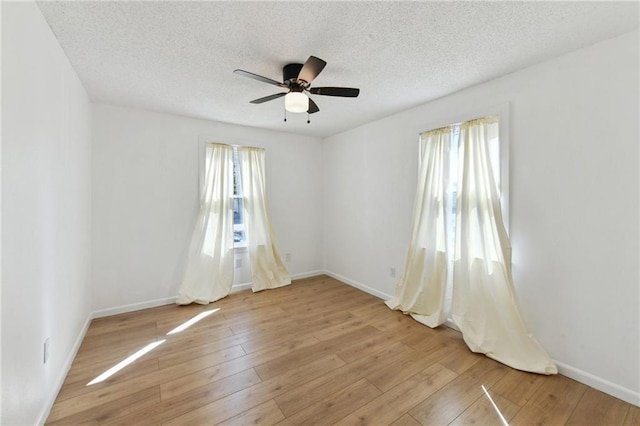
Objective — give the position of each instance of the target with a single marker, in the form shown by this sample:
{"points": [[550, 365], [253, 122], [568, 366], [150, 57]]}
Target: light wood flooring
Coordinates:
{"points": [[317, 352]]}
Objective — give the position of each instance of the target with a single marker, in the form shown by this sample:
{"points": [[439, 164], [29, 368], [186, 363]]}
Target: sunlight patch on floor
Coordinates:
{"points": [[192, 321], [122, 364], [495, 407], [151, 346]]}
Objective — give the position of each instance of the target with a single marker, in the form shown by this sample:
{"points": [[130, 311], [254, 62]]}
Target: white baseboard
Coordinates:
{"points": [[244, 286], [359, 286], [239, 287], [599, 383], [307, 275], [133, 307], [627, 395], [62, 375], [170, 300]]}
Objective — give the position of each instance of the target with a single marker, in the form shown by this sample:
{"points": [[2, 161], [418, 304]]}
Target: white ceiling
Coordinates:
{"points": [[179, 57]]}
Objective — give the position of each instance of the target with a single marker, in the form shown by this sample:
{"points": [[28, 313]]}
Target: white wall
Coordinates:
{"points": [[145, 196], [574, 203], [46, 213]]}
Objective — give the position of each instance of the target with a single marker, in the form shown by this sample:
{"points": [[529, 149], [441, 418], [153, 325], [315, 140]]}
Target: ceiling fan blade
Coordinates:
{"points": [[259, 78], [311, 69], [267, 98], [312, 107], [345, 92]]}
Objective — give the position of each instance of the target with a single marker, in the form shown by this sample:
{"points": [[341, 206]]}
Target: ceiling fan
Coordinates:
{"points": [[297, 79]]}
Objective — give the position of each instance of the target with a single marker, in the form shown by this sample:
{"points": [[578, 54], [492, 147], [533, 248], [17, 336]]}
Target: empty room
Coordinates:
{"points": [[320, 212]]}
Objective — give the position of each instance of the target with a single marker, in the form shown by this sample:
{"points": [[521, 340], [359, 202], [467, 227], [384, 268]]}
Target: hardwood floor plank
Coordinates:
{"points": [[201, 377], [250, 322], [336, 406], [322, 319], [206, 359], [406, 420], [374, 308], [211, 330], [234, 362], [482, 412], [462, 359], [116, 338], [598, 408], [303, 356], [139, 368], [375, 342], [111, 410], [173, 320], [316, 390], [234, 404], [553, 402], [518, 386], [103, 392], [317, 351], [120, 322], [264, 337], [396, 373], [194, 349], [393, 404], [264, 414], [427, 338], [170, 408], [452, 400], [633, 416]]}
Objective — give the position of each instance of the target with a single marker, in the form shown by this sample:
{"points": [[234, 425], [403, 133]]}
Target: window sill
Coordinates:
{"points": [[240, 247]]}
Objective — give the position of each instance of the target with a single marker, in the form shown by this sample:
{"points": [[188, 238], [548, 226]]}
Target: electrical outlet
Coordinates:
{"points": [[238, 263], [392, 272], [45, 355], [287, 257]]}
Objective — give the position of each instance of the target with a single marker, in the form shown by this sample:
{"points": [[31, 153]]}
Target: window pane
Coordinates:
{"points": [[237, 178], [238, 211]]}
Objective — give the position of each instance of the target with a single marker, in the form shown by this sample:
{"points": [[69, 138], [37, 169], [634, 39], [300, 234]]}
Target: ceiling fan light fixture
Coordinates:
{"points": [[296, 102]]}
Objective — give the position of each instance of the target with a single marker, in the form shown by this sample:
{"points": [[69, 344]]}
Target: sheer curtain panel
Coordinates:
{"points": [[267, 269], [421, 289], [465, 236], [484, 301], [209, 273]]}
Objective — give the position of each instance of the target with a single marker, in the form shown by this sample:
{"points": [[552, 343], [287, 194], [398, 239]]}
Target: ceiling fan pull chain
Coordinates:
{"points": [[285, 115], [308, 119]]}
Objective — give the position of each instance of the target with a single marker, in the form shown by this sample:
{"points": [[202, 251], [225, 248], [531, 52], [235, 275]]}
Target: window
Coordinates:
{"points": [[497, 152], [452, 187], [239, 230], [239, 234], [481, 284]]}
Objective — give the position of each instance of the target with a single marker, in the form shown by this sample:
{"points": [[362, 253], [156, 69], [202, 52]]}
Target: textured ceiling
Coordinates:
{"points": [[179, 57]]}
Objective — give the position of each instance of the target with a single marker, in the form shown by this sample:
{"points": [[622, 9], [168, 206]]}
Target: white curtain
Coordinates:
{"points": [[267, 269], [209, 273], [421, 289], [484, 302]]}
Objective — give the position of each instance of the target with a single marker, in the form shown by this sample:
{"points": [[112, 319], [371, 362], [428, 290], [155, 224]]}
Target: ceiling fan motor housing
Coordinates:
{"points": [[290, 73]]}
